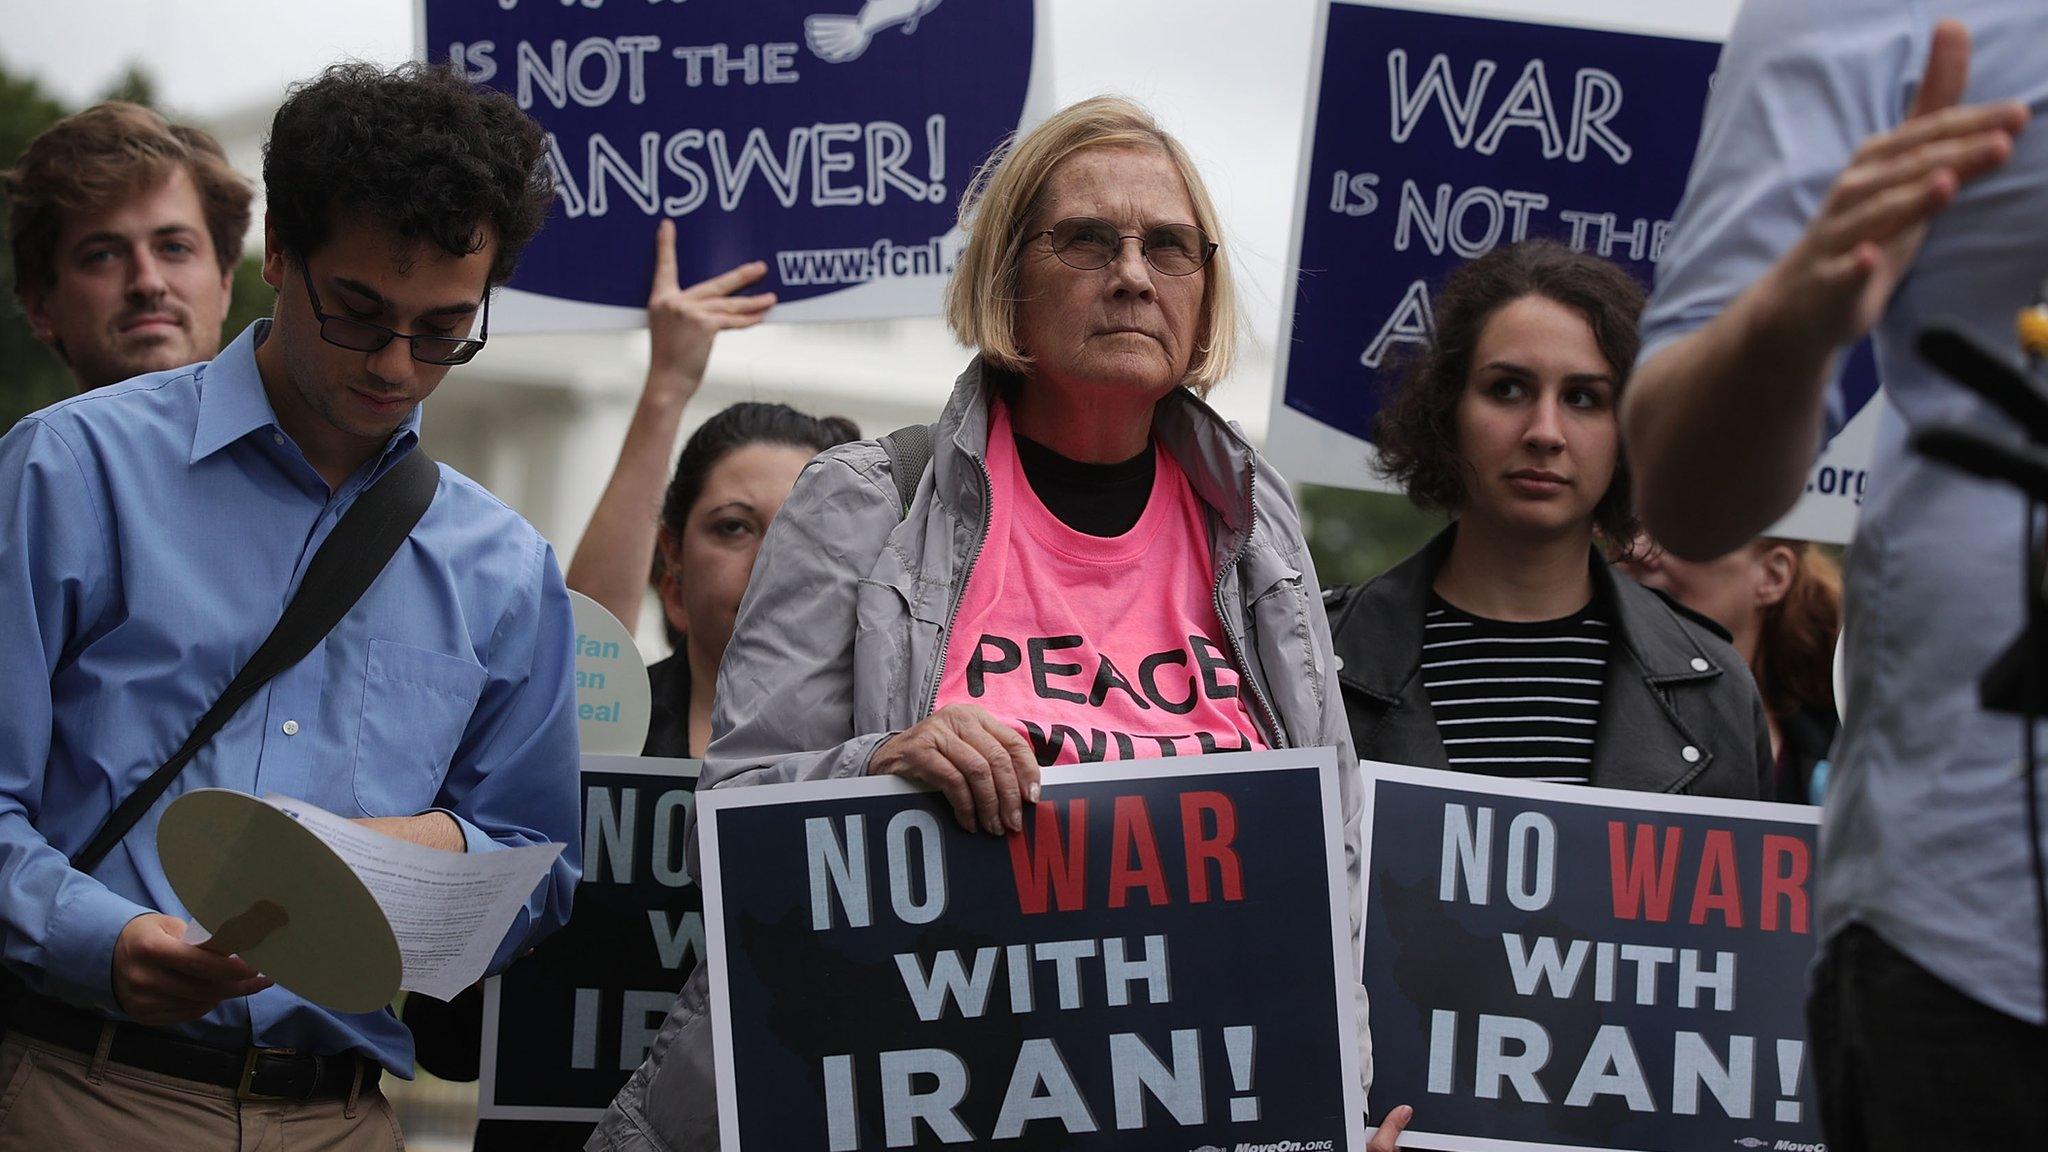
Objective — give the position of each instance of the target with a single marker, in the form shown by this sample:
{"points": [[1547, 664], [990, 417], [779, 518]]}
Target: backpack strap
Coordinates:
{"points": [[910, 453], [362, 543]]}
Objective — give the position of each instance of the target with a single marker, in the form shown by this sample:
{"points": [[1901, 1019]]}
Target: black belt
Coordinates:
{"points": [[254, 1073]]}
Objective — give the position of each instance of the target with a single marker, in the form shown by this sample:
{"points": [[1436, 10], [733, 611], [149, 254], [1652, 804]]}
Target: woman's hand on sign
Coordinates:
{"points": [[1386, 1138], [983, 766], [682, 322], [1836, 282]]}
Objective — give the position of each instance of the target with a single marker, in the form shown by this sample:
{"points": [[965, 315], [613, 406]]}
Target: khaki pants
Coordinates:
{"points": [[56, 1100]]}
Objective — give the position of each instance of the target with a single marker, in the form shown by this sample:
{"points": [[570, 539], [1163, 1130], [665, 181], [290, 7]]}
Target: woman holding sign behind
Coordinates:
{"points": [[618, 546], [1083, 522], [1506, 645], [734, 473]]}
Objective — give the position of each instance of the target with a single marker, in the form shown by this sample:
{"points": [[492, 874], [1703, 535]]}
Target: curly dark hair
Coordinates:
{"points": [[416, 147], [1417, 430]]}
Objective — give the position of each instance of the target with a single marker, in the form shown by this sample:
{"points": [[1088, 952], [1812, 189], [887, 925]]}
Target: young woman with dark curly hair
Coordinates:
{"points": [[1506, 645]]}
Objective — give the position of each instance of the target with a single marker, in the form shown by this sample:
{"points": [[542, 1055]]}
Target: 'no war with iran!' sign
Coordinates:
{"points": [[1159, 962], [1560, 967], [1434, 137], [830, 138]]}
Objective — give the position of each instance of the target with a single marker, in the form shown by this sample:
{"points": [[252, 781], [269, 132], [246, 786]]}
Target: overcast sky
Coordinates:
{"points": [[1230, 77]]}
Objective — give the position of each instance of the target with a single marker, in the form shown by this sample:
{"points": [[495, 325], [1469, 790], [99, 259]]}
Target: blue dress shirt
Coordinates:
{"points": [[151, 534], [1924, 836]]}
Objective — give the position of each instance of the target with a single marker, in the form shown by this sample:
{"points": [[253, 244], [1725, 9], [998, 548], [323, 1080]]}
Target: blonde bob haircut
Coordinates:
{"points": [[1000, 212]]}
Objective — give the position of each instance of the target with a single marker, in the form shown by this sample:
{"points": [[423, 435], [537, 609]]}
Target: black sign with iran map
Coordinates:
{"points": [[1159, 962]]}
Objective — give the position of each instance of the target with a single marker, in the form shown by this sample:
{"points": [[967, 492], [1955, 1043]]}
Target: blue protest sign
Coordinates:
{"points": [[830, 138], [1565, 967], [1159, 961], [1434, 138], [565, 1026]]}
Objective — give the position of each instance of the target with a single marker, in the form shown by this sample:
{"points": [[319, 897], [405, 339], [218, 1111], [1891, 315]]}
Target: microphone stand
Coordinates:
{"points": [[2014, 683]]}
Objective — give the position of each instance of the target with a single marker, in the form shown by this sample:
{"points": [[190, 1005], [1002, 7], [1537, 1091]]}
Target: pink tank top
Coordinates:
{"points": [[1096, 648]]}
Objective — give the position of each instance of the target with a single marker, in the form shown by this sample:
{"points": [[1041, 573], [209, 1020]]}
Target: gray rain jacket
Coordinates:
{"points": [[841, 633]]}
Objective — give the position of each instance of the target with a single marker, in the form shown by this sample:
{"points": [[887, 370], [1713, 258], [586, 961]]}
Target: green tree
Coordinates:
{"points": [[134, 86], [253, 299], [1355, 536], [31, 375]]}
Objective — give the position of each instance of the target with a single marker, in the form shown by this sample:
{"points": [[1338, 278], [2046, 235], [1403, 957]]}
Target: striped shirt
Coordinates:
{"points": [[1515, 699]]}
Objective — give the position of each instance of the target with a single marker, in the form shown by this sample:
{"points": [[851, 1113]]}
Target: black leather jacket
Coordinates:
{"points": [[1679, 713]]}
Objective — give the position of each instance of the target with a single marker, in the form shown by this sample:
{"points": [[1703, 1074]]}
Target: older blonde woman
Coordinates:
{"points": [[878, 639]]}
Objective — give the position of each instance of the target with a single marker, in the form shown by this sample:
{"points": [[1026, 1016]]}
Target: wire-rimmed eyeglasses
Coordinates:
{"points": [[1086, 243]]}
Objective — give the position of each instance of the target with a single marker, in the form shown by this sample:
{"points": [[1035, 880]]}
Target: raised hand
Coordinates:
{"points": [[610, 565], [1836, 282], [683, 322]]}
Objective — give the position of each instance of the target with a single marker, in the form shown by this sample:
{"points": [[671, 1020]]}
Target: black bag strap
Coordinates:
{"points": [[348, 561], [910, 453]]}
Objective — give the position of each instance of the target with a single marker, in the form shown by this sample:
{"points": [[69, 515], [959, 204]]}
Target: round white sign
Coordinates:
{"points": [[273, 894], [612, 695]]}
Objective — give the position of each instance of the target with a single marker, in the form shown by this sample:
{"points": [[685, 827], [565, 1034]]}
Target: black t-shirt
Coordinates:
{"points": [[1516, 699], [668, 720], [1098, 499]]}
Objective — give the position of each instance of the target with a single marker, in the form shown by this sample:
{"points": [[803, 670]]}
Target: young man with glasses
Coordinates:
{"points": [[150, 534]]}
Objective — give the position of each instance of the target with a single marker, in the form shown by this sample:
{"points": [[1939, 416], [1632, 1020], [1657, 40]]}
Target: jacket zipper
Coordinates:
{"points": [[1276, 737], [931, 700]]}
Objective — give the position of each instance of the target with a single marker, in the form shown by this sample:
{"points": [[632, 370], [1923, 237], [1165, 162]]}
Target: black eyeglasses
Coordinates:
{"points": [[1086, 243], [363, 336]]}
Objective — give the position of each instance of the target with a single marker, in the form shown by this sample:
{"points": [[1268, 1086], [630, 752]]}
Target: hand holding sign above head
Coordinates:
{"points": [[682, 322], [1835, 284], [984, 767]]}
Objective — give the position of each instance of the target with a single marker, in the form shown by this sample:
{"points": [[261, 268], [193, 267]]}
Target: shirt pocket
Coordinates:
{"points": [[416, 704]]}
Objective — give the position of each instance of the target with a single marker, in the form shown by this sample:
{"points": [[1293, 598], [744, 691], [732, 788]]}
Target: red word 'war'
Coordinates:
{"points": [[1645, 878], [1049, 858]]}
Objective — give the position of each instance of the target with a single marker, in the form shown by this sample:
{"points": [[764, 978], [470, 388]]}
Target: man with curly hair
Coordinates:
{"points": [[150, 531], [126, 230]]}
